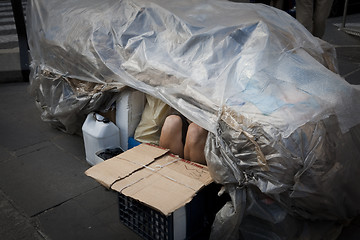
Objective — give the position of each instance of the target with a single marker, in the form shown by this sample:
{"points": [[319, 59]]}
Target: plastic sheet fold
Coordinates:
{"points": [[283, 126]]}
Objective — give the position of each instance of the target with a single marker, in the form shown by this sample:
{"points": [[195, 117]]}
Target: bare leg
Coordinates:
{"points": [[171, 135], [195, 143]]}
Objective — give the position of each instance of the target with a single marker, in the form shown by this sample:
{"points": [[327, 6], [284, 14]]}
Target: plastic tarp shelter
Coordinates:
{"points": [[283, 126]]}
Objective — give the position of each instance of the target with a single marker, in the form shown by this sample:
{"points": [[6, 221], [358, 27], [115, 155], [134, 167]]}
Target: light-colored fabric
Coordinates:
{"points": [[313, 14], [152, 120]]}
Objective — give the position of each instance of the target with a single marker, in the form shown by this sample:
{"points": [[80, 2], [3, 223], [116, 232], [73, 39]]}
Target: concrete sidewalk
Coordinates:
{"points": [[44, 193], [347, 48]]}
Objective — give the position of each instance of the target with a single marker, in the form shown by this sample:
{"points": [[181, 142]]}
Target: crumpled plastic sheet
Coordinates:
{"points": [[283, 126], [64, 102]]}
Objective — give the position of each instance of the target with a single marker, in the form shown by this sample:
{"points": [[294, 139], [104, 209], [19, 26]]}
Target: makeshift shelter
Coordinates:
{"points": [[283, 126]]}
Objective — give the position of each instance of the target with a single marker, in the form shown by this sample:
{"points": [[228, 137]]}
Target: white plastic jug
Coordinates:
{"points": [[99, 133]]}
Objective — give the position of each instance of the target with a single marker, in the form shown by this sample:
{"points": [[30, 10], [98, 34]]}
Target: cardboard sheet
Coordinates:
{"points": [[153, 176]]}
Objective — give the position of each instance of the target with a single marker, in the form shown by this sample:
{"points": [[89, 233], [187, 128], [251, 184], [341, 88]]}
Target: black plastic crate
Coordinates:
{"points": [[145, 221], [152, 224]]}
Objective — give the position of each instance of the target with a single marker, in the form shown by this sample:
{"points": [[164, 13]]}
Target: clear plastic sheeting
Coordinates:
{"points": [[309, 177], [282, 122], [64, 102]]}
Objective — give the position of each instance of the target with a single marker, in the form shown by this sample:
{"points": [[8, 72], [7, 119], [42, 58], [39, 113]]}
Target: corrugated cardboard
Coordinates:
{"points": [[153, 176]]}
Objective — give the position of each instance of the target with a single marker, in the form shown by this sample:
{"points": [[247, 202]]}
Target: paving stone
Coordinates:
{"points": [[97, 199], [350, 54], [14, 224], [19, 134], [337, 37], [347, 48], [5, 155], [72, 144], [20, 123], [32, 148], [18, 102], [98, 206], [43, 179], [71, 222], [347, 67]]}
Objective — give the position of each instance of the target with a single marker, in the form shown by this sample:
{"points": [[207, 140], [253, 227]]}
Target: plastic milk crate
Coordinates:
{"points": [[193, 221]]}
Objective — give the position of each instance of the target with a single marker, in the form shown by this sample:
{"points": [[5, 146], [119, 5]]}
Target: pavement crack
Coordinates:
{"points": [[32, 148], [61, 203]]}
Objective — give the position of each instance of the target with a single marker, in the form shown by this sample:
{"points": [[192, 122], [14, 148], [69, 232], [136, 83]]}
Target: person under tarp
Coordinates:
{"points": [[166, 127]]}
